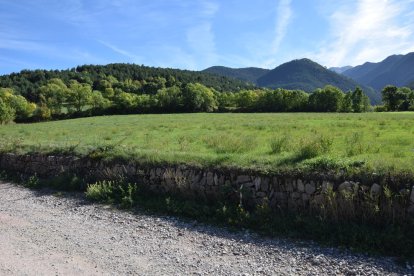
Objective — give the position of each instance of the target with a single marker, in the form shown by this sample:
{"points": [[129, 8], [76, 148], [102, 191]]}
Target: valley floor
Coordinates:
{"points": [[45, 233], [375, 142]]}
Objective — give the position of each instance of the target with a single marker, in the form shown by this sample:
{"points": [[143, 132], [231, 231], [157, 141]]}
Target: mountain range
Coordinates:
{"points": [[303, 74], [307, 75], [396, 70], [340, 70], [250, 74]]}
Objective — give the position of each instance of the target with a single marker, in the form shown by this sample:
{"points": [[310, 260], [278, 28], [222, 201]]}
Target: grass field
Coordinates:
{"points": [[375, 141]]}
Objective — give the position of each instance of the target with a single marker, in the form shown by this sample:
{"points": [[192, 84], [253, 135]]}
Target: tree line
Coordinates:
{"points": [[127, 89], [136, 78], [57, 99], [397, 99]]}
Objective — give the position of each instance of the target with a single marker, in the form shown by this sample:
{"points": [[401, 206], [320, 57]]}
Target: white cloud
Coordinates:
{"points": [[201, 39], [284, 13], [370, 31], [209, 9], [134, 58], [283, 18]]}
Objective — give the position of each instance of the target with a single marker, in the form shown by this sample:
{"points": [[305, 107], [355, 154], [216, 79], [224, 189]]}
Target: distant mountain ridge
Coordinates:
{"points": [[395, 70], [303, 74], [250, 74], [340, 70]]}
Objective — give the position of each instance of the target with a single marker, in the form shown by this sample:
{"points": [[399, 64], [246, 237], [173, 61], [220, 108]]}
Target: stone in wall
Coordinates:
{"points": [[241, 179], [375, 190], [310, 188], [264, 184], [300, 186]]}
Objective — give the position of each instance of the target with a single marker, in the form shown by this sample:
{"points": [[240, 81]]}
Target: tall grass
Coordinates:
{"points": [[225, 143], [279, 144], [264, 141]]}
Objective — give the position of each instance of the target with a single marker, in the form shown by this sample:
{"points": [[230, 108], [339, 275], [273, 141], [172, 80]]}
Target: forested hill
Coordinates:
{"points": [[394, 70], [250, 74], [306, 75], [138, 77], [302, 74]]}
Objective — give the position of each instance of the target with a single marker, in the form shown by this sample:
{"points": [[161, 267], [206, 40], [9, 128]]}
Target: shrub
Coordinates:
{"points": [[312, 148], [32, 182], [278, 144], [380, 108], [101, 191], [7, 114], [108, 191]]}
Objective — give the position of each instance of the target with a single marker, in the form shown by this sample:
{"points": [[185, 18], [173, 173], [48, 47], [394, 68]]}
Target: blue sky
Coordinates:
{"points": [[196, 34]]}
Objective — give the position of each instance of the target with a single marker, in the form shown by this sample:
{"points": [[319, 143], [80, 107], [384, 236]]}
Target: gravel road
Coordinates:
{"points": [[45, 234]]}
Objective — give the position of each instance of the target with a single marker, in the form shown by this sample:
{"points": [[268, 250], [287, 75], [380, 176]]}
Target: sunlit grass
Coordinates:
{"points": [[378, 140]]}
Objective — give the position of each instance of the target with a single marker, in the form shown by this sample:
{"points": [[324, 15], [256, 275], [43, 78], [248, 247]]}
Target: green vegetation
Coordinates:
{"points": [[306, 75], [130, 78], [250, 74], [301, 74], [59, 101], [398, 99], [130, 89], [380, 142], [332, 224]]}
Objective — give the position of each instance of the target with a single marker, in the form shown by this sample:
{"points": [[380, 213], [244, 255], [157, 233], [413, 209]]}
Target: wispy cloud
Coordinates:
{"points": [[22, 45], [369, 31], [200, 37], [209, 9], [283, 18], [134, 58], [284, 14], [201, 41]]}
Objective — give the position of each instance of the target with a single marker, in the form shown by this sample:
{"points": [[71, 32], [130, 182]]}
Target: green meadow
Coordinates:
{"points": [[265, 141]]}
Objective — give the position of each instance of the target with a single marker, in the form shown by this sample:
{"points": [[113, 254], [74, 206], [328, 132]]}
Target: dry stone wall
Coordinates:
{"points": [[250, 188]]}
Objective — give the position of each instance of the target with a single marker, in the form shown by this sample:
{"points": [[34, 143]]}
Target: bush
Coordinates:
{"points": [[7, 114], [380, 108], [278, 144], [42, 113], [312, 148], [101, 191], [113, 192], [33, 182]]}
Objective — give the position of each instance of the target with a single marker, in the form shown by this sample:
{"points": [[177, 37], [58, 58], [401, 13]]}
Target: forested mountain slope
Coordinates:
{"points": [[395, 70], [307, 75], [250, 74]]}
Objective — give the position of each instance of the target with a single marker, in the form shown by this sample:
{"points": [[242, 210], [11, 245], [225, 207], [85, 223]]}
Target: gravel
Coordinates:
{"points": [[44, 233]]}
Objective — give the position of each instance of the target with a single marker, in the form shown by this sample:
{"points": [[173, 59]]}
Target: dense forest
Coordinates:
{"points": [[138, 78], [128, 89]]}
